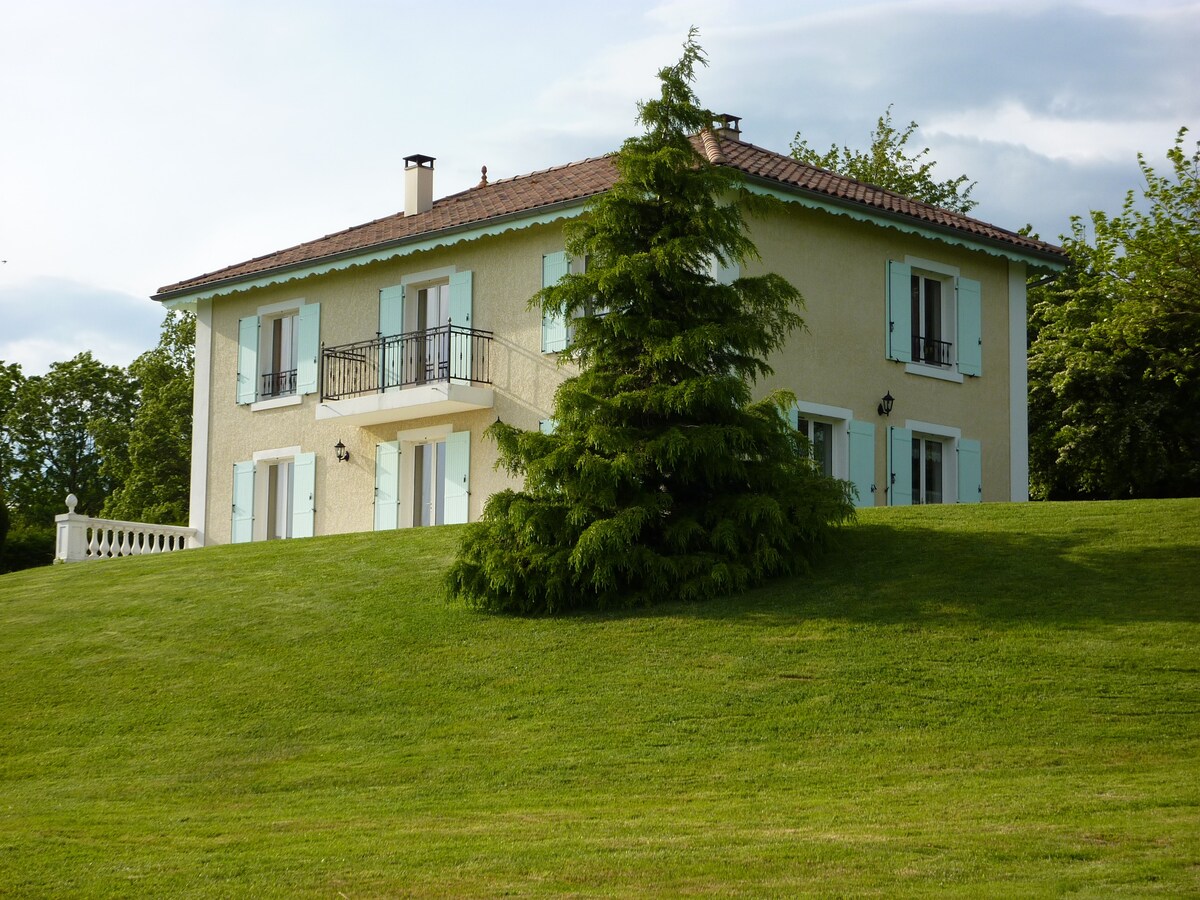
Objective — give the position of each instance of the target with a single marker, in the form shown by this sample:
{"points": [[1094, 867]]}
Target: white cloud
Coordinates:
{"points": [[48, 320], [1085, 141], [146, 143]]}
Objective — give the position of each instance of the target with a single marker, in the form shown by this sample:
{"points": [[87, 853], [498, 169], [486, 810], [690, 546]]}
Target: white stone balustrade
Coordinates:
{"points": [[83, 537]]}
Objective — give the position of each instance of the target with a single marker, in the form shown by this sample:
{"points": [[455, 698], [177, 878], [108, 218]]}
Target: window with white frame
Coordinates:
{"points": [[278, 351], [820, 442], [931, 463], [425, 323], [927, 469], [423, 478], [934, 319], [277, 354], [273, 496], [842, 446]]}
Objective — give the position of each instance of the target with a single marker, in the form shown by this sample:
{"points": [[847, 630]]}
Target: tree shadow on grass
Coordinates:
{"points": [[881, 573]]}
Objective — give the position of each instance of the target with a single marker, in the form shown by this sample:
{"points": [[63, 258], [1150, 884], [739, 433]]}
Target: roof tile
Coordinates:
{"points": [[587, 178]]}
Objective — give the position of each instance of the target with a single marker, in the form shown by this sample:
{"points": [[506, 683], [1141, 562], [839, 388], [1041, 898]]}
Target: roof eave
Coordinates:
{"points": [[218, 286], [1039, 259]]}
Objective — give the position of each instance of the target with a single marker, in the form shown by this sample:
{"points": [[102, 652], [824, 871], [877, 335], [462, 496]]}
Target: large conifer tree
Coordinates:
{"points": [[662, 478]]}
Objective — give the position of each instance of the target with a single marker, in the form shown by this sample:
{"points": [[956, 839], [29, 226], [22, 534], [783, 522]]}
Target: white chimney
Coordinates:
{"points": [[418, 184]]}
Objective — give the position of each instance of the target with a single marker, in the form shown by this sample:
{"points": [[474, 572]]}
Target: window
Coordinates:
{"points": [[280, 499], [425, 325], [820, 442], [930, 463], [431, 351], [926, 470], [933, 320], [429, 484], [842, 446], [423, 478], [928, 315], [273, 496], [277, 354]]}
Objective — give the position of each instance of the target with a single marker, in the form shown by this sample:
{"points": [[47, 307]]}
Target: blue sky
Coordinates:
{"points": [[146, 142]]}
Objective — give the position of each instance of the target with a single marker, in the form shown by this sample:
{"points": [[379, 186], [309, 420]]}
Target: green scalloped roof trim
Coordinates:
{"points": [[908, 226], [189, 299]]}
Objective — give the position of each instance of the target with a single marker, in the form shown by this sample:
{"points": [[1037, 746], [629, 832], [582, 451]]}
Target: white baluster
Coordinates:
{"points": [[82, 537]]}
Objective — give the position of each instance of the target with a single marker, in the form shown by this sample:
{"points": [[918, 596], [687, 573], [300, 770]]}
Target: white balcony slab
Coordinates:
{"points": [[417, 402]]}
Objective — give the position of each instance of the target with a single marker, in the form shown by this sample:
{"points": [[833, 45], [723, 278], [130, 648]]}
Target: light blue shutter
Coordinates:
{"points": [[458, 473], [862, 461], [970, 328], [900, 467], [554, 327], [308, 348], [247, 374], [548, 426], [391, 324], [387, 485], [794, 417], [724, 274], [899, 311], [970, 471], [243, 503], [304, 483], [391, 310], [460, 317]]}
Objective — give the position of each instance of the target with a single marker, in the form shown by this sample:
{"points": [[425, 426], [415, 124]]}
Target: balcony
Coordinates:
{"points": [[277, 384], [434, 372], [931, 352]]}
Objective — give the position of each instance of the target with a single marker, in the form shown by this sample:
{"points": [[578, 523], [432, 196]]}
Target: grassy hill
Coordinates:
{"points": [[996, 699]]}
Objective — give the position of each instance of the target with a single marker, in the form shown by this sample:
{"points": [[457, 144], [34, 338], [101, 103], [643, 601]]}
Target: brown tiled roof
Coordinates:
{"points": [[764, 164], [576, 181]]}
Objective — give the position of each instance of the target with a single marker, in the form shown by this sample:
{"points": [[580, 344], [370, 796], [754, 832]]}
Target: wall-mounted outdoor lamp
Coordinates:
{"points": [[343, 454], [885, 405]]}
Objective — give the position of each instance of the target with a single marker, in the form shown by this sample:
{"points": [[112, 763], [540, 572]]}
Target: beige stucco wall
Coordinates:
{"points": [[507, 271], [839, 265]]}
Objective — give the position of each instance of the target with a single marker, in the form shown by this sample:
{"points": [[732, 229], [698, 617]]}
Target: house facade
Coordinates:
{"points": [[345, 384]]}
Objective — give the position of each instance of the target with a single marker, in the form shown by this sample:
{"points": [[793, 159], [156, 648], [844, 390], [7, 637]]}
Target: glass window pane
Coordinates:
{"points": [[933, 472], [916, 471], [933, 309], [916, 308], [822, 445]]}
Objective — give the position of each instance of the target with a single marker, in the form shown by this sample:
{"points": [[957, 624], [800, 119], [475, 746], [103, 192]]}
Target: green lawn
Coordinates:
{"points": [[961, 700]]}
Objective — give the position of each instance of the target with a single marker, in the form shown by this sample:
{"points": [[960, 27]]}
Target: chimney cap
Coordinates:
{"points": [[419, 160], [727, 122]]}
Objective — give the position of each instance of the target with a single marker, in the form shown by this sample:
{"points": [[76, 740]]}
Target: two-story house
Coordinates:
{"points": [[344, 384]]}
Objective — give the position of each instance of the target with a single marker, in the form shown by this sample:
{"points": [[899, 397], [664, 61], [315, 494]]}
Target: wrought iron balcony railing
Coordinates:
{"points": [[931, 352], [277, 384], [446, 353]]}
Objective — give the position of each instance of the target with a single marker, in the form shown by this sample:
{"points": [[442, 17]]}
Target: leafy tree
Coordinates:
{"points": [[10, 382], [54, 452], [662, 478], [5, 519], [886, 165], [1114, 359], [149, 458]]}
